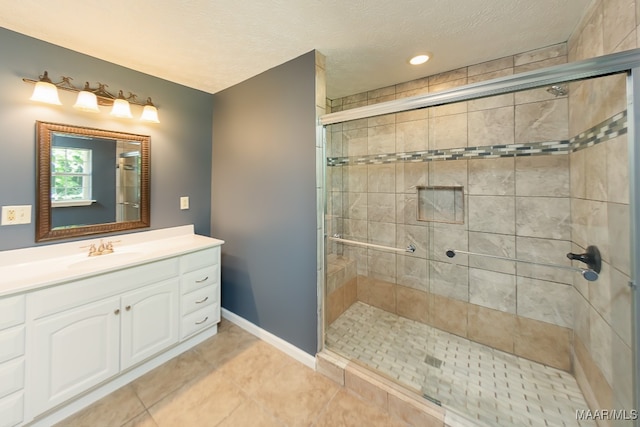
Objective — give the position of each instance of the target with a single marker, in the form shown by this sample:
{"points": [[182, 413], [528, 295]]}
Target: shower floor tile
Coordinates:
{"points": [[485, 385]]}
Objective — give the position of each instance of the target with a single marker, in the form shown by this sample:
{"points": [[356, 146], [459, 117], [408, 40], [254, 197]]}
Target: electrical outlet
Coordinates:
{"points": [[184, 202], [13, 215]]}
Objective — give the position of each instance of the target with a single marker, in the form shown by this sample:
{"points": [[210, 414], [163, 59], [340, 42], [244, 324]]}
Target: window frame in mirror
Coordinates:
{"points": [[44, 140]]}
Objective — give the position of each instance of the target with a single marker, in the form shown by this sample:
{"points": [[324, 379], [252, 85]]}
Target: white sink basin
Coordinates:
{"points": [[105, 260]]}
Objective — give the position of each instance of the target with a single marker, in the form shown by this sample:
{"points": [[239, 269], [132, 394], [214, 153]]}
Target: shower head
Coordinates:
{"points": [[558, 90], [589, 275]]}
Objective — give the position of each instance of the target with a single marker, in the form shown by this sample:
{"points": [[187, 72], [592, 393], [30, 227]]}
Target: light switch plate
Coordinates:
{"points": [[13, 215], [184, 202]]}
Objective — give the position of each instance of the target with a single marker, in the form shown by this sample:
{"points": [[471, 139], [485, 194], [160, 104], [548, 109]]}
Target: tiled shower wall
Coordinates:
{"points": [[600, 212], [517, 207]]}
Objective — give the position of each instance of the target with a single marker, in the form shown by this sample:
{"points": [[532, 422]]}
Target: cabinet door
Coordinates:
{"points": [[149, 321], [75, 350]]}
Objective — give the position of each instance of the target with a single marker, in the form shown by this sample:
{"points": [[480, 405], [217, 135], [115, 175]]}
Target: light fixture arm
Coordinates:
{"points": [[105, 97]]}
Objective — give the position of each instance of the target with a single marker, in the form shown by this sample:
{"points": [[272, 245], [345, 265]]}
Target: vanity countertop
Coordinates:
{"points": [[38, 267]]}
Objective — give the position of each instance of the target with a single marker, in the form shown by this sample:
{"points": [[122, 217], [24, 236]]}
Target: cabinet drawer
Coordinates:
{"points": [[59, 298], [11, 410], [200, 259], [11, 343], [200, 278], [11, 376], [11, 311], [199, 298], [199, 320]]}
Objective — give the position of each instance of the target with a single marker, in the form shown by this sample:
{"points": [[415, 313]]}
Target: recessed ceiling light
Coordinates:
{"points": [[419, 59]]}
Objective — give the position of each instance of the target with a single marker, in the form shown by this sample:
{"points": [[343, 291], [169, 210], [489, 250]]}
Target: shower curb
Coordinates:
{"points": [[382, 392]]}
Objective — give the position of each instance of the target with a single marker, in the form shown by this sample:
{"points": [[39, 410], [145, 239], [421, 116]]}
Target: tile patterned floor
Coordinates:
{"points": [[231, 380], [485, 385]]}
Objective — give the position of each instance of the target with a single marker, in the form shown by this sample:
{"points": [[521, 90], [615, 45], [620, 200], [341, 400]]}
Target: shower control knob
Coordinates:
{"points": [[592, 258]]}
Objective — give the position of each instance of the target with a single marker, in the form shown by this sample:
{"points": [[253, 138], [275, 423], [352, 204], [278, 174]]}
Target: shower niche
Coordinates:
{"points": [[441, 204]]}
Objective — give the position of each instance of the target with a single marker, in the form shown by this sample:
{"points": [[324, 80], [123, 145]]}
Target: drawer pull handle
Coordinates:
{"points": [[202, 280], [128, 308], [116, 311], [202, 300], [202, 321]]}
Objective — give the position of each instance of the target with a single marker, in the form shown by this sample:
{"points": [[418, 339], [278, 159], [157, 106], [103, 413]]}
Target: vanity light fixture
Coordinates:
{"points": [[150, 112], [45, 91], [90, 98], [87, 100], [121, 107], [419, 59]]}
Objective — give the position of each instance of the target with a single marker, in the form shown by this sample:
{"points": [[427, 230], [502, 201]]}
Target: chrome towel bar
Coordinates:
{"points": [[588, 274], [338, 238]]}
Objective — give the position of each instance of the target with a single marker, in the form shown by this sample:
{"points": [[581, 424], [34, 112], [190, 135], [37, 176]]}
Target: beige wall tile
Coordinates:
{"points": [[448, 132], [546, 251], [622, 356], [411, 175], [492, 244], [544, 343], [449, 314], [407, 116], [545, 301], [493, 177], [386, 119], [542, 176], [350, 292], [577, 174], [382, 139], [491, 66], [381, 233], [412, 136], [355, 229], [381, 207], [581, 310], [357, 178], [413, 272], [541, 54], [621, 306], [542, 121], [377, 293], [382, 92], [381, 178], [413, 235], [412, 85], [448, 76], [448, 109], [491, 127], [550, 62], [495, 101], [334, 306], [449, 280], [492, 214], [354, 205], [618, 21], [412, 304], [601, 388], [492, 290], [354, 142], [449, 236], [382, 265], [450, 173], [491, 327], [617, 169], [600, 293], [595, 164], [601, 344], [548, 217]]}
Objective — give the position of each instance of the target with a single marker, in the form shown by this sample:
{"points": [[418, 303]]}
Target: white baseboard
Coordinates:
{"points": [[282, 345]]}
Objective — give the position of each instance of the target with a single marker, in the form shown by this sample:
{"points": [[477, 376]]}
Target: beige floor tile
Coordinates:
{"points": [[143, 420], [250, 414], [202, 402], [225, 346], [113, 410], [170, 376], [296, 395], [254, 365], [346, 410]]}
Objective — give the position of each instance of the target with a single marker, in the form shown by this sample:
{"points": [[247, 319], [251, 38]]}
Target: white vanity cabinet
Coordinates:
{"points": [[12, 361], [75, 328]]}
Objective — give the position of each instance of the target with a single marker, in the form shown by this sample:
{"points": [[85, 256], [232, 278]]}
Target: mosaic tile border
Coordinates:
{"points": [[608, 129]]}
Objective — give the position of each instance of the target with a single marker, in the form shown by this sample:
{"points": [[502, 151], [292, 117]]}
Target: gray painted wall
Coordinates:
{"points": [[264, 199], [180, 144]]}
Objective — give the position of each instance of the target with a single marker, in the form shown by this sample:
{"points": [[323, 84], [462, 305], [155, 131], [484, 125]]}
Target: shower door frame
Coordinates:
{"points": [[622, 62]]}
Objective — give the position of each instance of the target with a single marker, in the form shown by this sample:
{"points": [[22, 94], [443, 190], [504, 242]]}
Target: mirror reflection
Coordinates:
{"points": [[96, 181]]}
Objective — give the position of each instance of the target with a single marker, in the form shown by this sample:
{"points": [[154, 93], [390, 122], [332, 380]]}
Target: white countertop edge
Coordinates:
{"points": [[163, 243]]}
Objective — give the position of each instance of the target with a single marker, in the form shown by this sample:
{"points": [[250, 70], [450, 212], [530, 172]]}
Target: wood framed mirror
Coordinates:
{"points": [[90, 181]]}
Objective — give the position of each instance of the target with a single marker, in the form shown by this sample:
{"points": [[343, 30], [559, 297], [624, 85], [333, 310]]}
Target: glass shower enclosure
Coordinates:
{"points": [[480, 243]]}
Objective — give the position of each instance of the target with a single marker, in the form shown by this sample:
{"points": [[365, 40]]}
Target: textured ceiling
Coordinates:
{"points": [[213, 44]]}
